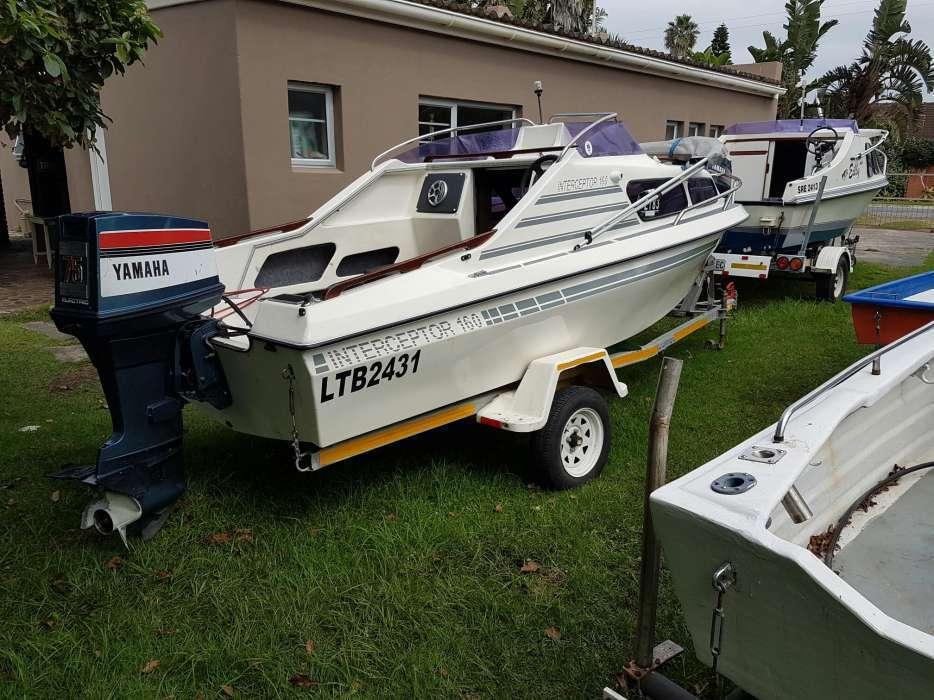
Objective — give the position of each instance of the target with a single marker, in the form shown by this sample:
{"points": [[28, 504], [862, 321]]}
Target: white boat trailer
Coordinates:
{"points": [[530, 405]]}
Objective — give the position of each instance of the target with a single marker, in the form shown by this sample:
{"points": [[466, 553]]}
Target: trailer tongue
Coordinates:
{"points": [[131, 287]]}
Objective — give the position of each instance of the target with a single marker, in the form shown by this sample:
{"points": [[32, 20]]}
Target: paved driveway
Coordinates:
{"points": [[22, 282], [896, 248]]}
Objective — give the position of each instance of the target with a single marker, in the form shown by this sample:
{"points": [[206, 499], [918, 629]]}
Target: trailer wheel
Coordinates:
{"points": [[573, 445], [831, 287]]}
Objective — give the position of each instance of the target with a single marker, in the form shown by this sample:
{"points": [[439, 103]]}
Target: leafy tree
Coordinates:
{"points": [[720, 46], [680, 36], [893, 70], [709, 58], [55, 57], [797, 51]]}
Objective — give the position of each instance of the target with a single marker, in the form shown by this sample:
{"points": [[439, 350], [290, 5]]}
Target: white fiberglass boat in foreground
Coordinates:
{"points": [[803, 558], [434, 281]]}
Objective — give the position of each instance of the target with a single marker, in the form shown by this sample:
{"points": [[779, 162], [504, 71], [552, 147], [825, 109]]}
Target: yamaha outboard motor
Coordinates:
{"points": [[131, 287]]}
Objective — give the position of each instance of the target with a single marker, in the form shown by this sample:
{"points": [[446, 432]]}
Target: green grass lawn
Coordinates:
{"points": [[398, 570]]}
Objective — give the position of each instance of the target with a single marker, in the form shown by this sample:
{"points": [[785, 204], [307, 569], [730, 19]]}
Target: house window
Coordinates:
{"points": [[716, 130], [438, 115], [673, 130], [696, 129], [311, 125]]}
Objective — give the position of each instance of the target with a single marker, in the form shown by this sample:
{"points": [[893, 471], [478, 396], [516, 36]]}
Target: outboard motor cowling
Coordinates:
{"points": [[125, 286]]}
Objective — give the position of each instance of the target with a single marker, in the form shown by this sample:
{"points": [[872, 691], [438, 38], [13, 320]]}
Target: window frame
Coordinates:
{"points": [[679, 129], [719, 128], [329, 125], [699, 127], [453, 105]]}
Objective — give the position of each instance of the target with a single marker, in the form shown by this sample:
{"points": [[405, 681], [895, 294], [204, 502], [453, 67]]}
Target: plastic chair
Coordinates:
{"points": [[30, 230]]}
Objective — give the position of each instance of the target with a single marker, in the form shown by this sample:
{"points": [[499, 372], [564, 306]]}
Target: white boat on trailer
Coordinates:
{"points": [[803, 558], [467, 276], [805, 182]]}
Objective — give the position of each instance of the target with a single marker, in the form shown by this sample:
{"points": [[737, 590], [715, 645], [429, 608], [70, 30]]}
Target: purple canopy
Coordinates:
{"points": [[463, 145], [609, 139], [790, 126]]}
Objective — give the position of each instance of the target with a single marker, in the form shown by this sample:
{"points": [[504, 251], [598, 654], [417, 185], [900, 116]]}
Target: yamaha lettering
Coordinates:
{"points": [[350, 381], [141, 269]]}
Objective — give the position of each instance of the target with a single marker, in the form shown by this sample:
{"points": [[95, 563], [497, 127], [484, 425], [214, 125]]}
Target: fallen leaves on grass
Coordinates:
{"points": [[443, 672], [530, 567], [219, 538], [164, 631], [164, 575], [310, 647], [150, 666], [391, 516], [115, 563], [300, 680], [314, 531], [452, 514], [553, 633], [56, 496], [244, 535], [227, 690], [498, 508], [48, 623]]}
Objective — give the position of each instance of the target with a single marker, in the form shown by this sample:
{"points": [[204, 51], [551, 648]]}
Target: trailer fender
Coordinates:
{"points": [[829, 257], [526, 408]]}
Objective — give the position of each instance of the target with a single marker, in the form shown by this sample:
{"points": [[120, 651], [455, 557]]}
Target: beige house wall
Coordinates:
{"points": [[202, 128], [175, 143], [380, 71]]}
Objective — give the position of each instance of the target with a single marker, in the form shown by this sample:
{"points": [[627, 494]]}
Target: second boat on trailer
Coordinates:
{"points": [[466, 276]]}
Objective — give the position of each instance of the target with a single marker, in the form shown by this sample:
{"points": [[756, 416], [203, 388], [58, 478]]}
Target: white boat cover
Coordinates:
{"points": [[690, 148]]}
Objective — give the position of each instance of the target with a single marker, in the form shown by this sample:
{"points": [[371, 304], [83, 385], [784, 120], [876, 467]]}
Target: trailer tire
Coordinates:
{"points": [[832, 287], [573, 445]]}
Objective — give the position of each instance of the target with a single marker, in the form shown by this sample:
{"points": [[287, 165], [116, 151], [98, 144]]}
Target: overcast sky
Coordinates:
{"points": [[643, 23]]}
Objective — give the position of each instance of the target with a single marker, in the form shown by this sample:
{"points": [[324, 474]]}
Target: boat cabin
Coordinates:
{"points": [[768, 156]]}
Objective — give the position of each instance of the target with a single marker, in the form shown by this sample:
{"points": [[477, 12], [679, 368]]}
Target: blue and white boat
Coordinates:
{"points": [[805, 181]]}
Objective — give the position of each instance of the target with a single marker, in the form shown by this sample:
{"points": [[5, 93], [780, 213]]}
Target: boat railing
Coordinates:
{"points": [[836, 380], [874, 147], [471, 127], [667, 186]]}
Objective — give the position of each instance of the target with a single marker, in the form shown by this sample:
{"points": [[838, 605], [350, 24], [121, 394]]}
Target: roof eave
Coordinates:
{"points": [[443, 21]]}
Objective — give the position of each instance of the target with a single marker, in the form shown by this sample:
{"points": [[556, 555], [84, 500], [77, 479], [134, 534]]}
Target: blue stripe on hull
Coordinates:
{"points": [[754, 242]]}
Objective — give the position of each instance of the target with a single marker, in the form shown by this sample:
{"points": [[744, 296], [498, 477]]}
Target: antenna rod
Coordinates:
{"points": [[537, 86]]}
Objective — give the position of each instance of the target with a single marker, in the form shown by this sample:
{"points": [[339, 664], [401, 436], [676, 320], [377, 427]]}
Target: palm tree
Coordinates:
{"points": [[892, 70], [797, 51], [680, 36], [709, 58]]}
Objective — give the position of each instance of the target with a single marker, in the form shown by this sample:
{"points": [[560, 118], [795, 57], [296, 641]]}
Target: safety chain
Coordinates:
{"points": [[289, 375], [723, 579]]}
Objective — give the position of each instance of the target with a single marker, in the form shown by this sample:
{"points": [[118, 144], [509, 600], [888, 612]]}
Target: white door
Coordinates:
{"points": [[750, 162]]}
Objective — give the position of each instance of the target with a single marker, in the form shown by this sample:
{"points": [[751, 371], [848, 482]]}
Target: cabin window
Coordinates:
{"points": [[696, 129], [715, 131], [875, 163], [311, 125], [437, 115], [701, 189], [673, 130], [668, 204]]}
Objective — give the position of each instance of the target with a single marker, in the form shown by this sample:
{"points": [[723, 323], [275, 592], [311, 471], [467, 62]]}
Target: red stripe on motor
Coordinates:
{"points": [[139, 239]]}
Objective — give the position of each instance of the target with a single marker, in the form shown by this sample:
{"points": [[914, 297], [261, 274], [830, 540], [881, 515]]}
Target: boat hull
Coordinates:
{"points": [[834, 218], [795, 627], [424, 364], [886, 312]]}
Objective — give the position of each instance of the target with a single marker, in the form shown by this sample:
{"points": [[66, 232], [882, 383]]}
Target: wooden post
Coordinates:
{"points": [[665, 394]]}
